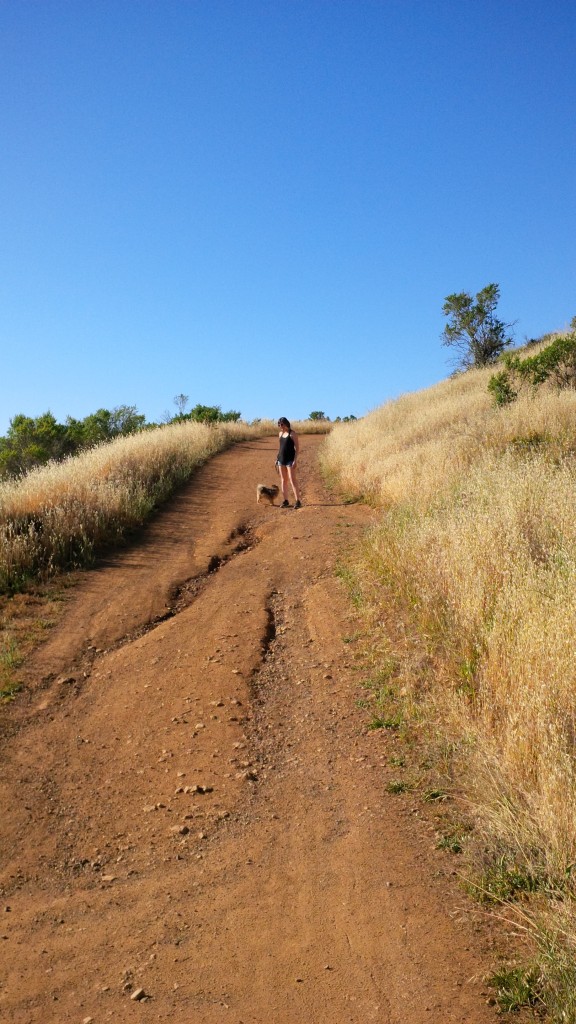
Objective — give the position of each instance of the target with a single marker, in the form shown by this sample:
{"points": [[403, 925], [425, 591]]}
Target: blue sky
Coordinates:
{"points": [[264, 204]]}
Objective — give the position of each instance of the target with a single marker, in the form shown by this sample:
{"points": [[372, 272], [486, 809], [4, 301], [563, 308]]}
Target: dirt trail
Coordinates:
{"points": [[191, 803]]}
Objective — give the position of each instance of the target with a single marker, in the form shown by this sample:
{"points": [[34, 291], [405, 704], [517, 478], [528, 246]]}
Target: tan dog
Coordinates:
{"points": [[266, 493]]}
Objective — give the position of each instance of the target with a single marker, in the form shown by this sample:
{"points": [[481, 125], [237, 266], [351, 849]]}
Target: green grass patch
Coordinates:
{"points": [[351, 581], [399, 786], [451, 842], [8, 693], [504, 881], [516, 987], [385, 723], [432, 796]]}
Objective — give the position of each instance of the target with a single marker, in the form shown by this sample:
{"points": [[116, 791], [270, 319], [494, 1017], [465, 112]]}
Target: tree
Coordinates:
{"points": [[104, 425], [473, 329], [32, 441], [211, 414], [181, 401], [318, 415]]}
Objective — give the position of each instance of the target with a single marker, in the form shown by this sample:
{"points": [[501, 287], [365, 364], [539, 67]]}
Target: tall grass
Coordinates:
{"points": [[476, 546], [61, 515]]}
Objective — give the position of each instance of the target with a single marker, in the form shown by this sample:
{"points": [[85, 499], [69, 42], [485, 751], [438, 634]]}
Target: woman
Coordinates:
{"points": [[286, 461]]}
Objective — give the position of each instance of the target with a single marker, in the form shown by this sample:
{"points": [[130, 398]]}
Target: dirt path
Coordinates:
{"points": [[191, 804]]}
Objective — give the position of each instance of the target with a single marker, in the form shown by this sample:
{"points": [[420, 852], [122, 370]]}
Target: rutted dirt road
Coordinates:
{"points": [[191, 804]]}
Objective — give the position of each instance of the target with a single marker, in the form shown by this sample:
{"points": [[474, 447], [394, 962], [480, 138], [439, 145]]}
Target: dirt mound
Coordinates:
{"points": [[195, 826]]}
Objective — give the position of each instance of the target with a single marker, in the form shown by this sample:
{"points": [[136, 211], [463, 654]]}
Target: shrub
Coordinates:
{"points": [[555, 364]]}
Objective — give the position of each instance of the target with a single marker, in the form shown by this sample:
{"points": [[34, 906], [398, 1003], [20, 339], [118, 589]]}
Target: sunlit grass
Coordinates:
{"points": [[476, 550]]}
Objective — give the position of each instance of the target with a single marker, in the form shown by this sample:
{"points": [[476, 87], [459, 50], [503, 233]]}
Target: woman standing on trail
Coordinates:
{"points": [[286, 461]]}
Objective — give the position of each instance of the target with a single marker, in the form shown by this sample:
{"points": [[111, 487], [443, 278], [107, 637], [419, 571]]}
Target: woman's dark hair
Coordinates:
{"points": [[284, 423]]}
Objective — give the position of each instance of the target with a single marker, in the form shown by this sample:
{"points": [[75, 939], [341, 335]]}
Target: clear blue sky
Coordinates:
{"points": [[263, 203]]}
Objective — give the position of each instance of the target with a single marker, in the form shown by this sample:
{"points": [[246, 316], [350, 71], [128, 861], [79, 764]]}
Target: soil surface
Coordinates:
{"points": [[195, 825]]}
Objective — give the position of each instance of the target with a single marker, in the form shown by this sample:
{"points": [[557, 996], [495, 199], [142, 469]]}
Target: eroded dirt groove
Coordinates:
{"points": [[192, 808]]}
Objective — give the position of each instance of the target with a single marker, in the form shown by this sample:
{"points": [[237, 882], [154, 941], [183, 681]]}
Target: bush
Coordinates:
{"points": [[555, 364]]}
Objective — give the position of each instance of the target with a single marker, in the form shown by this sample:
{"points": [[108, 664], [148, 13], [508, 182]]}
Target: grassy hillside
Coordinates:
{"points": [[468, 584]]}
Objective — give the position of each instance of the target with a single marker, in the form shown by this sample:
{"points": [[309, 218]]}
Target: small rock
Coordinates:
{"points": [[88, 1020], [108, 878], [138, 994]]}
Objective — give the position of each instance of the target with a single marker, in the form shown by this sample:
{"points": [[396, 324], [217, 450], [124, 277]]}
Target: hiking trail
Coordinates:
{"points": [[195, 822]]}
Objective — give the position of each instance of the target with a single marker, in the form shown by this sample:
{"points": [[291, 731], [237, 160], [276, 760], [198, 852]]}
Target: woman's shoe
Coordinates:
{"points": [[285, 504], [298, 504]]}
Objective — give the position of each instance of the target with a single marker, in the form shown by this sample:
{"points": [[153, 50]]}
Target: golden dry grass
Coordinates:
{"points": [[476, 548]]}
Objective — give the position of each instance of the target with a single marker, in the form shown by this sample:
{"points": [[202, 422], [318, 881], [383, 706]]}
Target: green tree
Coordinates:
{"points": [[318, 415], [105, 424], [211, 414], [473, 328], [33, 441]]}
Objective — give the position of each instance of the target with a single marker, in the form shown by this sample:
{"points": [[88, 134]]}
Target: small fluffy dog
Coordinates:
{"points": [[266, 493]]}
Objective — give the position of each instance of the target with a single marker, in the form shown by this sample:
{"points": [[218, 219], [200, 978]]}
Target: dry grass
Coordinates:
{"points": [[420, 445], [477, 549], [61, 515]]}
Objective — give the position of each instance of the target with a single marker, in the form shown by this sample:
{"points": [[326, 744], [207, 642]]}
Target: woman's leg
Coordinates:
{"points": [[283, 470], [293, 481]]}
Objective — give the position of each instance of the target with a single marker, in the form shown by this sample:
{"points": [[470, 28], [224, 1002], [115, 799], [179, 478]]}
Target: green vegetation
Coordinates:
{"points": [[554, 364], [35, 441], [201, 413], [504, 881], [516, 987], [473, 328], [10, 659], [451, 841], [398, 786]]}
